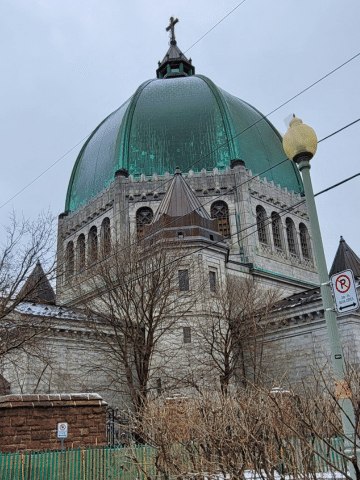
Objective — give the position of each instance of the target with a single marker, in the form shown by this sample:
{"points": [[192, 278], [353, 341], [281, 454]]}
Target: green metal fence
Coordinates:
{"points": [[90, 464], [138, 462], [330, 453]]}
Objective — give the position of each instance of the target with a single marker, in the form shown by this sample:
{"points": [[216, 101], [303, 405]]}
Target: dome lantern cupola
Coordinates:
{"points": [[175, 63]]}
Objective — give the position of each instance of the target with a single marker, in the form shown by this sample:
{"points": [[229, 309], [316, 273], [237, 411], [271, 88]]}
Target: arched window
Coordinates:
{"points": [[144, 216], [291, 235], [276, 229], [80, 247], [93, 245], [220, 211], [304, 241], [69, 260], [261, 224], [105, 237]]}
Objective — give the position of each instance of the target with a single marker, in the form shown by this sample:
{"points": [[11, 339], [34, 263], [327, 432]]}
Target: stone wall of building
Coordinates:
{"points": [[297, 340], [29, 422]]}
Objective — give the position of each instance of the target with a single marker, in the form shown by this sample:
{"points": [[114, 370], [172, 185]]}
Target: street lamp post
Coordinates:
{"points": [[300, 144]]}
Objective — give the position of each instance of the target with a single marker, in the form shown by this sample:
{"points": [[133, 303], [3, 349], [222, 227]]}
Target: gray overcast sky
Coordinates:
{"points": [[67, 64]]}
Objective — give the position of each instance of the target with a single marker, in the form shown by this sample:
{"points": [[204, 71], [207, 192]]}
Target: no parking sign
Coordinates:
{"points": [[345, 296]]}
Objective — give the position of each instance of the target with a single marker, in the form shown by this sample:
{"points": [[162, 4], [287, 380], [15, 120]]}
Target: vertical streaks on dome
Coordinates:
{"points": [[260, 144], [95, 166], [123, 138], [181, 121], [177, 122], [225, 114]]}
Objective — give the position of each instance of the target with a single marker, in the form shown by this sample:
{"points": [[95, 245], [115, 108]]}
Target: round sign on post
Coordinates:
{"points": [[62, 430], [343, 283], [345, 296]]}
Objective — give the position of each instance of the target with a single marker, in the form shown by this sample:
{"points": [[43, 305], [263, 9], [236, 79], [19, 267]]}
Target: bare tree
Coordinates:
{"points": [[314, 418], [27, 243], [231, 337], [266, 431], [220, 436], [135, 299]]}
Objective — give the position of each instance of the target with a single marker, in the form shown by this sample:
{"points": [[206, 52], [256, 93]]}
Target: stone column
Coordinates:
{"points": [[121, 205], [60, 254], [243, 211]]}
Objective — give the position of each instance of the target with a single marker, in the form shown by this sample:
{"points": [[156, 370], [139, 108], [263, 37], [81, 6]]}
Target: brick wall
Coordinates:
{"points": [[29, 422]]}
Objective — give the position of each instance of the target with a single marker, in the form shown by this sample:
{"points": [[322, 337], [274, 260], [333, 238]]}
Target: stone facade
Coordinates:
{"points": [[298, 339], [29, 422], [273, 262], [64, 358], [72, 353]]}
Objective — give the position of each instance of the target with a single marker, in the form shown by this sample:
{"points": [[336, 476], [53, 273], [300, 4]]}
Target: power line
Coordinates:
{"points": [[43, 173], [138, 241], [58, 160], [211, 29], [281, 213], [214, 150], [319, 141], [212, 199], [228, 192], [340, 130], [288, 209]]}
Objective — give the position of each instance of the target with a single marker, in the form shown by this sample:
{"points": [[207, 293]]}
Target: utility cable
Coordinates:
{"points": [[263, 118], [340, 130], [228, 191], [282, 212], [168, 181], [218, 196], [288, 209], [43, 173], [212, 28], [138, 241], [71, 149]]}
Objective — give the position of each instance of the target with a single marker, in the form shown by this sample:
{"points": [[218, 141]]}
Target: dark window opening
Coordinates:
{"points": [[69, 260], [261, 224], [276, 228], [290, 233], [144, 217], [212, 280], [304, 240], [105, 237], [180, 235], [187, 334], [220, 211], [211, 237], [183, 280], [93, 245], [81, 253]]}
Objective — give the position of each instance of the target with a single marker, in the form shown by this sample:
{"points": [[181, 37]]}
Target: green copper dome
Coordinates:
{"points": [[183, 121]]}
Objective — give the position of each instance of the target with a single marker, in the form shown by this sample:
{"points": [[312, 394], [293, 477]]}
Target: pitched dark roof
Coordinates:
{"points": [[301, 298], [37, 287], [179, 200], [345, 259], [174, 53], [175, 63]]}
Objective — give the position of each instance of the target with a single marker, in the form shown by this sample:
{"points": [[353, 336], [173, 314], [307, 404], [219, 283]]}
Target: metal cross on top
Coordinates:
{"points": [[171, 27]]}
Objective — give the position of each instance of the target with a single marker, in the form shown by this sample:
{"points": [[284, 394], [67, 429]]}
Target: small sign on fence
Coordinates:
{"points": [[62, 430]]}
